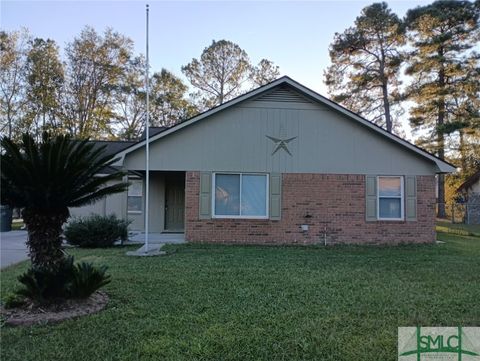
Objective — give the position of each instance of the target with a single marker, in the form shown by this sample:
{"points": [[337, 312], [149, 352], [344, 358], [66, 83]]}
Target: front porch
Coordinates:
{"points": [[166, 206]]}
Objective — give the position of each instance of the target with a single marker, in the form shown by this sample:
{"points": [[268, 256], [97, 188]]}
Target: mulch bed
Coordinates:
{"points": [[33, 315]]}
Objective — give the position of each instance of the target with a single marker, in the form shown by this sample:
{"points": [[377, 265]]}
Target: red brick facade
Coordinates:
{"points": [[336, 204]]}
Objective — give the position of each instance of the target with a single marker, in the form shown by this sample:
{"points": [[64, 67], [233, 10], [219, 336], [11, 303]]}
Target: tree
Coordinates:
{"points": [[95, 64], [129, 97], [168, 99], [44, 78], [265, 72], [13, 52], [366, 60], [45, 178], [168, 102], [464, 123], [220, 73], [442, 35]]}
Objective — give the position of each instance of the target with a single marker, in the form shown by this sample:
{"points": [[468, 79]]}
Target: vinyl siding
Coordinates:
{"points": [[235, 140]]}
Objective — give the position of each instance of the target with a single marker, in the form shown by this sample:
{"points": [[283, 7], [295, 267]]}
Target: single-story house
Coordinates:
{"points": [[280, 164], [470, 191]]}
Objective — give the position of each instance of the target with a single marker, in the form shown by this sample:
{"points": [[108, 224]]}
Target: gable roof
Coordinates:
{"points": [[469, 182], [152, 131], [443, 166], [112, 146]]}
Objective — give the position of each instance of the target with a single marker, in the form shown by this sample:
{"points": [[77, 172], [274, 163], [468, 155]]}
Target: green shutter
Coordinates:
{"points": [[205, 211], [411, 198], [371, 198], [275, 189]]}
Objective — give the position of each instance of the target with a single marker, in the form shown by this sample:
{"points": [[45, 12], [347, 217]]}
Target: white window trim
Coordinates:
{"points": [[141, 197], [402, 198], [267, 196]]}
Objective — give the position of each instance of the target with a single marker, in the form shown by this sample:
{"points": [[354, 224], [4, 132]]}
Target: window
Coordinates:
{"points": [[390, 198], [134, 196], [240, 195]]}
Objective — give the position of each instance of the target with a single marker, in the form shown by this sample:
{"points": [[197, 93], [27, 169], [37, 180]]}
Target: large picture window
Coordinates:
{"points": [[390, 198], [134, 196], [240, 195]]}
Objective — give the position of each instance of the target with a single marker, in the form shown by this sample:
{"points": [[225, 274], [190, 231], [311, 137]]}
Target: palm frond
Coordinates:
{"points": [[56, 172]]}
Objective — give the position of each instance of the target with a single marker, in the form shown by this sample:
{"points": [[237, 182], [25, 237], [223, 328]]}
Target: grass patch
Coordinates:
{"points": [[17, 224], [214, 302], [459, 228]]}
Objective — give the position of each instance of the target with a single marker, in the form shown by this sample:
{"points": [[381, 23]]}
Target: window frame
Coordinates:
{"points": [[141, 197], [240, 216], [402, 198]]}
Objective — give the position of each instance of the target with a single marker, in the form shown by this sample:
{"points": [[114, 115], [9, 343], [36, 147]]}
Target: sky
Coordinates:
{"points": [[295, 35]]}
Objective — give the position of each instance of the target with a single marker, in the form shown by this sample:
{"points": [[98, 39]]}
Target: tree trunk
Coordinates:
{"points": [[441, 140], [44, 236], [386, 101], [386, 105], [462, 151]]}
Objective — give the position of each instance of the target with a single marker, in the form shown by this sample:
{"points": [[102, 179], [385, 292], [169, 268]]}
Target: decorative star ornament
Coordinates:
{"points": [[281, 144]]}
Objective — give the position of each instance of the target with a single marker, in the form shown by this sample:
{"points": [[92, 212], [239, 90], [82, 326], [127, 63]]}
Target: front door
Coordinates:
{"points": [[174, 205]]}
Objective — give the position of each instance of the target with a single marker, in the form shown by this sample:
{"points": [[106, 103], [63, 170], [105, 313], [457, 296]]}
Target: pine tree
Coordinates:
{"points": [[442, 36], [265, 72], [220, 73], [366, 60]]}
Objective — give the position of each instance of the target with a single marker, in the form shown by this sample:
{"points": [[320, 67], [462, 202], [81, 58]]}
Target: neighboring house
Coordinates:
{"points": [[470, 191], [282, 164]]}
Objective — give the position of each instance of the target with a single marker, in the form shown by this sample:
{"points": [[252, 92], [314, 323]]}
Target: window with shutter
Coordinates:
{"points": [[390, 200]]}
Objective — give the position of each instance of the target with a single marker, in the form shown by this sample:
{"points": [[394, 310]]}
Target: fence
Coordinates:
{"points": [[468, 213]]}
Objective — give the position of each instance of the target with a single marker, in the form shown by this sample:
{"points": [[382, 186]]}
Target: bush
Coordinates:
{"points": [[70, 281], [96, 231], [45, 285], [13, 300], [87, 279]]}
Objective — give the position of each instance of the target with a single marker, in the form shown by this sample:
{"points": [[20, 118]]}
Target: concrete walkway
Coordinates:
{"points": [[12, 247], [156, 242], [157, 238]]}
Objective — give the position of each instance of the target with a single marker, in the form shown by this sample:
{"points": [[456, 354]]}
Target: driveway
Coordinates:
{"points": [[12, 247]]}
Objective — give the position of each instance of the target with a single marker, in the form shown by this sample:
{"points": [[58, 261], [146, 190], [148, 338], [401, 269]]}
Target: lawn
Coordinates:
{"points": [[459, 228], [208, 302]]}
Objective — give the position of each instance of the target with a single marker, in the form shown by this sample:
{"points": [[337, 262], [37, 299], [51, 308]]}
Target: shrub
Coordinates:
{"points": [[13, 300], [46, 285], [70, 281], [96, 231], [87, 279]]}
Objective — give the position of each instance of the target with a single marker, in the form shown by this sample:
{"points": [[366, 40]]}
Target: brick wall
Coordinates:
{"points": [[336, 204]]}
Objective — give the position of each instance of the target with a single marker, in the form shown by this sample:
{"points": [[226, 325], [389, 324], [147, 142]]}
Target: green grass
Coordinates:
{"points": [[459, 228], [17, 225], [207, 302]]}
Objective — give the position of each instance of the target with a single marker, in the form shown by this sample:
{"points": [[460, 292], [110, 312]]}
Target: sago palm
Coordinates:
{"points": [[47, 177]]}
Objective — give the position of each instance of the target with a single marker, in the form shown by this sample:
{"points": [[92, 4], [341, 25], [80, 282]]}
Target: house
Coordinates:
{"points": [[470, 191], [282, 164]]}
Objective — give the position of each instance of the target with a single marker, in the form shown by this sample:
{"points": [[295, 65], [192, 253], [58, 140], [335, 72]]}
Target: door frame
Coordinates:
{"points": [[179, 179]]}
